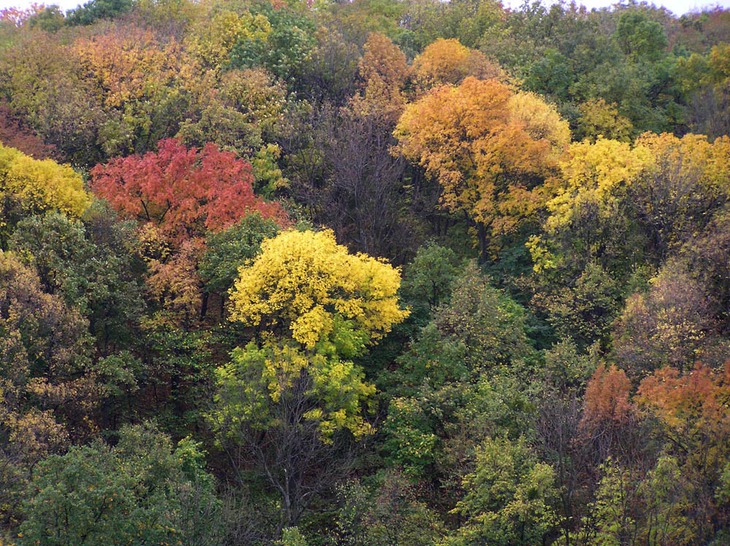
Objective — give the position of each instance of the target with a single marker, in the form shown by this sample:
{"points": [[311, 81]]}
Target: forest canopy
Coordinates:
{"points": [[393, 272]]}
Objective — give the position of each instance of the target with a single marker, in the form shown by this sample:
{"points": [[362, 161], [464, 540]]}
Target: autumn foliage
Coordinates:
{"points": [[607, 398], [699, 398], [183, 191], [309, 283], [489, 148]]}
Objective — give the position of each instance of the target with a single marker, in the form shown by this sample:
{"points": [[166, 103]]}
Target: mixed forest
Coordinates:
{"points": [[364, 273]]}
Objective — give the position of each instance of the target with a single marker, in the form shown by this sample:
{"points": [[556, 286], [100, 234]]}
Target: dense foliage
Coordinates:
{"points": [[375, 272]]}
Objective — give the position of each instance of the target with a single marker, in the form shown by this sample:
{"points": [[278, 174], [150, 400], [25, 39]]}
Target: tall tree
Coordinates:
{"points": [[285, 401]]}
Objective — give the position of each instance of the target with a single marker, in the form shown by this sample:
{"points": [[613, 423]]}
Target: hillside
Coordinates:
{"points": [[380, 272]]}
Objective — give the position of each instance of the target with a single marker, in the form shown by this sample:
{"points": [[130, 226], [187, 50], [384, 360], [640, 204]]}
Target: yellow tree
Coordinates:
{"points": [[127, 64], [211, 41], [687, 181], [32, 186], [284, 402], [318, 294], [588, 191], [489, 148]]}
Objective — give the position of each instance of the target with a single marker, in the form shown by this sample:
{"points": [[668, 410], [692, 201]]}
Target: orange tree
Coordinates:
{"points": [[489, 148]]}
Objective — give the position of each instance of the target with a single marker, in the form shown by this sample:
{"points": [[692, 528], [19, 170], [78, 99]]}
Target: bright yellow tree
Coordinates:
{"points": [[673, 182], [318, 293], [32, 186]]}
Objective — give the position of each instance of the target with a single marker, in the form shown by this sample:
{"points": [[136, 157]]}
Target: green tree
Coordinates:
{"points": [[141, 491], [610, 521], [228, 250], [509, 497], [91, 266], [384, 511], [640, 37]]}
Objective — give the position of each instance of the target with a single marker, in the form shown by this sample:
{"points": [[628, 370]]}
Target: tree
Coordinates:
{"points": [[94, 10], [667, 495], [456, 385], [46, 92], [670, 325], [364, 200], [609, 417], [49, 387], [693, 419], [135, 75], [685, 183], [388, 513], [486, 149], [90, 266], [290, 402], [602, 120], [211, 41], [610, 522], [447, 61], [383, 70], [707, 255], [305, 286], [509, 497], [31, 186], [142, 490], [592, 184], [238, 110], [285, 49], [182, 191], [428, 278], [706, 82], [15, 134], [290, 413], [640, 37], [228, 250]]}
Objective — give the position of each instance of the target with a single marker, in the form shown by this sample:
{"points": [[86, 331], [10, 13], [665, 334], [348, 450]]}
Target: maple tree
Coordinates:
{"points": [[182, 191]]}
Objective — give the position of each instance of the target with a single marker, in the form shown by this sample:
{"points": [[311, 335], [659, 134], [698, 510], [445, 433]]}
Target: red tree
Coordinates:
{"points": [[182, 191]]}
